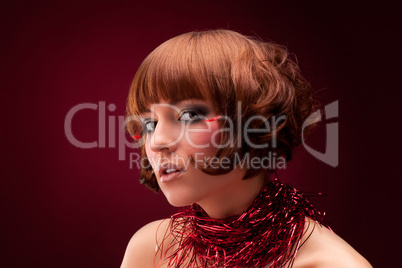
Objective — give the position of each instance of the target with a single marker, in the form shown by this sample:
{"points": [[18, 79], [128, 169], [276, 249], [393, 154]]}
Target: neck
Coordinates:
{"points": [[233, 199]]}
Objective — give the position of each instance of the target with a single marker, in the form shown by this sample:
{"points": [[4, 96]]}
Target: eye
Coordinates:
{"points": [[191, 115], [148, 126]]}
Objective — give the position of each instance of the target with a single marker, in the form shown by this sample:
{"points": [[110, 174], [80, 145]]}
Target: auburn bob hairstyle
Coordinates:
{"points": [[232, 72]]}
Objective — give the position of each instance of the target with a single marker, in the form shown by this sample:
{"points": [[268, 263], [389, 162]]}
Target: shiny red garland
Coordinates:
{"points": [[268, 233]]}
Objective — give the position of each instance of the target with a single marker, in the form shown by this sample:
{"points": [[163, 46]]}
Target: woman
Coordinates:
{"points": [[217, 113]]}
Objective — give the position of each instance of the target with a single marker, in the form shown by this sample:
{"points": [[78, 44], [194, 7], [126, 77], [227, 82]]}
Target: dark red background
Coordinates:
{"points": [[62, 206]]}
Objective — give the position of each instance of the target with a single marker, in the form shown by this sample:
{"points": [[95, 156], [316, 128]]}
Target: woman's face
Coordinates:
{"points": [[174, 133]]}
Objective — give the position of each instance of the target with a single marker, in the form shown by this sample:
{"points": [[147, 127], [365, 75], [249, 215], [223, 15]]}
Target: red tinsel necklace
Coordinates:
{"points": [[268, 233]]}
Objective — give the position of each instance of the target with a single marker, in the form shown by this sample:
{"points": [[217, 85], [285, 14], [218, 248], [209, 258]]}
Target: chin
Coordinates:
{"points": [[178, 200]]}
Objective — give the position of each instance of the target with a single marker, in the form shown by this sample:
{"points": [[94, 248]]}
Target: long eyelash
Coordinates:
{"points": [[200, 112], [144, 130], [137, 137], [212, 119]]}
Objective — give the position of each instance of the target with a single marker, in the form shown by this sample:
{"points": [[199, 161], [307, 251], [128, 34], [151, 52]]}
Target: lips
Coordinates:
{"points": [[169, 172]]}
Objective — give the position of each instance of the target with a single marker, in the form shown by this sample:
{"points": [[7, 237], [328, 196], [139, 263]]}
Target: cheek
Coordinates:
{"points": [[150, 153], [205, 138]]}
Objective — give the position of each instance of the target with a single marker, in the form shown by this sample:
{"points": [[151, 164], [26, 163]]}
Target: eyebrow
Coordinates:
{"points": [[173, 103], [147, 110]]}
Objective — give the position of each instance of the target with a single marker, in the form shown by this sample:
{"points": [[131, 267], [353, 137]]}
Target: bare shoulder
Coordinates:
{"points": [[323, 248], [141, 249]]}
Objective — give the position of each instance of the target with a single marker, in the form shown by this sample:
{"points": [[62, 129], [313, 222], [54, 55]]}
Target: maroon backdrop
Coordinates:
{"points": [[63, 206]]}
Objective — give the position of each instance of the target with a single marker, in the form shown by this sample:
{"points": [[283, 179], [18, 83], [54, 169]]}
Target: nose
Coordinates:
{"points": [[165, 137]]}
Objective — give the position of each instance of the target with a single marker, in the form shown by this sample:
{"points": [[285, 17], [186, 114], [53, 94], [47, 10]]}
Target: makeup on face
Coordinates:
{"points": [[189, 112]]}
